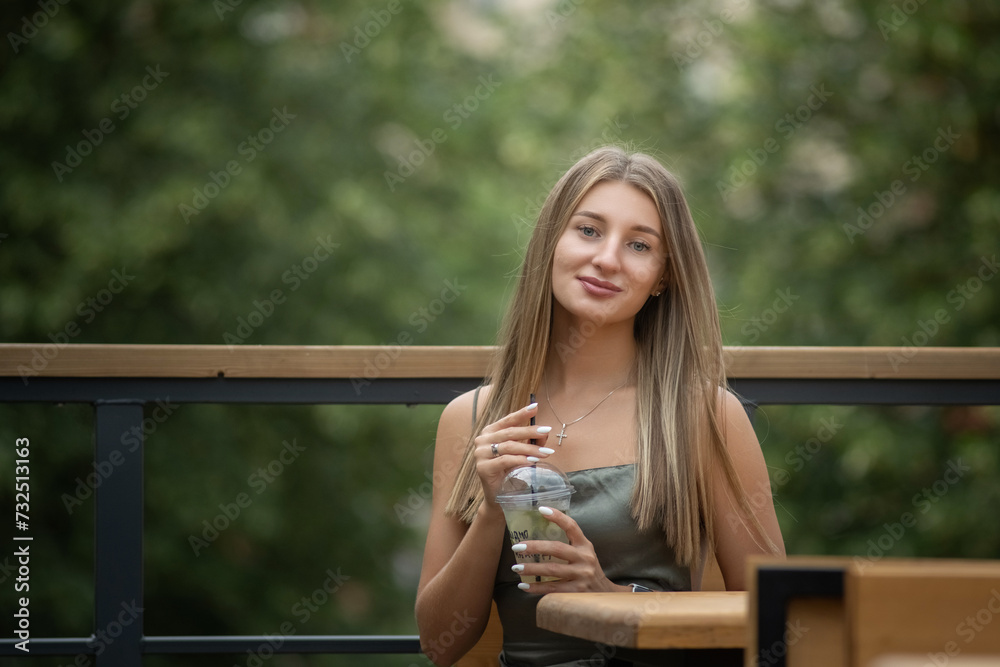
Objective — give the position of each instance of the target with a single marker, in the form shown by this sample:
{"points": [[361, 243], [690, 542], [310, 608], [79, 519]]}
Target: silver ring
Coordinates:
{"points": [[496, 449]]}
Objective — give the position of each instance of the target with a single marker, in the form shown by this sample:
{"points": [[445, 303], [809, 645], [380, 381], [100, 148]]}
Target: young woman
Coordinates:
{"points": [[613, 327]]}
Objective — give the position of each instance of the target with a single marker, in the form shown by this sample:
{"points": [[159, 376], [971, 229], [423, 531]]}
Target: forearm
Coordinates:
{"points": [[453, 607]]}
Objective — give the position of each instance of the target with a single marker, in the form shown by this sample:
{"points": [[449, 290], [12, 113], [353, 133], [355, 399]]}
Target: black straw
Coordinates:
{"points": [[534, 480]]}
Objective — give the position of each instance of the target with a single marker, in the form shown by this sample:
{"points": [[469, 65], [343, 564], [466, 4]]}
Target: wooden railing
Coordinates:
{"points": [[119, 380], [346, 361]]}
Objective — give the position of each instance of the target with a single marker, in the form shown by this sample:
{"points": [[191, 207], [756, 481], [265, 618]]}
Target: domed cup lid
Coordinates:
{"points": [[535, 484]]}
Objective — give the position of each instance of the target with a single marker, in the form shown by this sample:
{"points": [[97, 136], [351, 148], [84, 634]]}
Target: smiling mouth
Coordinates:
{"points": [[599, 287]]}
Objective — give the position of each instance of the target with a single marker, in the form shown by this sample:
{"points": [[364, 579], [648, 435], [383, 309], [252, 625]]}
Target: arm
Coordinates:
{"points": [[734, 536], [457, 573], [460, 560]]}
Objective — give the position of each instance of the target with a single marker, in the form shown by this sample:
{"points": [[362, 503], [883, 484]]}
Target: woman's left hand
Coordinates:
{"points": [[580, 573]]}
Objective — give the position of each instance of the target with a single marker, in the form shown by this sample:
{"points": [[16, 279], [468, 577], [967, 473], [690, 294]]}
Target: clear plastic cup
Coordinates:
{"points": [[522, 492]]}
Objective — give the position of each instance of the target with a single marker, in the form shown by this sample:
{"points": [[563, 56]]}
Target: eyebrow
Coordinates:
{"points": [[637, 228]]}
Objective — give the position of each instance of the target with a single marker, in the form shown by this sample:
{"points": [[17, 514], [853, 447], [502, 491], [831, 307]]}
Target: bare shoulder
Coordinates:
{"points": [[739, 433], [456, 421], [459, 411], [737, 534]]}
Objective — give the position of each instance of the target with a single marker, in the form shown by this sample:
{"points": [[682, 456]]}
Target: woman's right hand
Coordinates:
{"points": [[506, 444]]}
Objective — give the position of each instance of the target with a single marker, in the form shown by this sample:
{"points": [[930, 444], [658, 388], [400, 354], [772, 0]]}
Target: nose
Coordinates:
{"points": [[607, 256]]}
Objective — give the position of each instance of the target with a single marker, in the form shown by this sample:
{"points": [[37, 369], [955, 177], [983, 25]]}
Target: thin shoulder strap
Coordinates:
{"points": [[475, 403]]}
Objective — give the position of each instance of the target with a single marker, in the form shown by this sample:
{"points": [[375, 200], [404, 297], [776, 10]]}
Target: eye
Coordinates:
{"points": [[587, 230], [639, 246]]}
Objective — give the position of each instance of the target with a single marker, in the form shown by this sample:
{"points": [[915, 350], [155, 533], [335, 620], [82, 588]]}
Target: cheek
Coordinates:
{"points": [[566, 255], [648, 273]]}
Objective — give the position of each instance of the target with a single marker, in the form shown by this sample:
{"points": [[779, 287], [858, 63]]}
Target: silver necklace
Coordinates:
{"points": [[562, 434]]}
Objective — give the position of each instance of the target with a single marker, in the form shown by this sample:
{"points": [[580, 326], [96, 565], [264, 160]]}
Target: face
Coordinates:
{"points": [[611, 256]]}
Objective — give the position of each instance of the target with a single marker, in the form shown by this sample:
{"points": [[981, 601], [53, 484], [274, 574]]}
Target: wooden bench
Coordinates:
{"points": [[486, 650], [852, 612]]}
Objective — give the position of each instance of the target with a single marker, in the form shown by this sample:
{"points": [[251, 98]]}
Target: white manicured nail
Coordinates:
{"points": [[545, 511], [519, 548], [523, 586], [517, 568], [533, 459], [543, 429], [546, 450]]}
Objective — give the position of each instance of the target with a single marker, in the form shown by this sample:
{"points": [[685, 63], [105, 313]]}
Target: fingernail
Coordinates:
{"points": [[523, 586], [545, 511], [543, 429], [518, 548], [546, 450], [533, 459], [517, 568], [532, 406]]}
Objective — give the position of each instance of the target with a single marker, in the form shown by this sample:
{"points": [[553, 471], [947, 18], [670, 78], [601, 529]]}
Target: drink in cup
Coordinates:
{"points": [[523, 491]]}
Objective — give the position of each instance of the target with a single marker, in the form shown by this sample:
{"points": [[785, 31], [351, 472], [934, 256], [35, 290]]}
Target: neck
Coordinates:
{"points": [[602, 360]]}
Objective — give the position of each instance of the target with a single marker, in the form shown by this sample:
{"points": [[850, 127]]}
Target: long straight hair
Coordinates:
{"points": [[679, 366]]}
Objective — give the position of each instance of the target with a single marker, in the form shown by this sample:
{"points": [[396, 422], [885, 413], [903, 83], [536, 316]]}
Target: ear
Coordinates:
{"points": [[660, 286], [664, 280]]}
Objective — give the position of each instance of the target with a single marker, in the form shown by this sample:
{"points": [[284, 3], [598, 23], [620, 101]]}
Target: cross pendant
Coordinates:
{"points": [[562, 434]]}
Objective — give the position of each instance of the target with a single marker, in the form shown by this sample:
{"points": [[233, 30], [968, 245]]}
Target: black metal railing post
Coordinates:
{"points": [[118, 617]]}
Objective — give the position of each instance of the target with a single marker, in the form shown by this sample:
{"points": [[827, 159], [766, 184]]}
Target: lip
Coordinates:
{"points": [[599, 287]]}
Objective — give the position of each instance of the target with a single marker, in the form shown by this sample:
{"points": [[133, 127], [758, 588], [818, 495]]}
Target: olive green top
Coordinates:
{"points": [[600, 505]]}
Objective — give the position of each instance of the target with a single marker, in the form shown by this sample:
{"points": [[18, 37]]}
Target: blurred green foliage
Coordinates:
{"points": [[358, 159]]}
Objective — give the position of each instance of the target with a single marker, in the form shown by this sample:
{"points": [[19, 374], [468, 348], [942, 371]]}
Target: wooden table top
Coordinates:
{"points": [[715, 619]]}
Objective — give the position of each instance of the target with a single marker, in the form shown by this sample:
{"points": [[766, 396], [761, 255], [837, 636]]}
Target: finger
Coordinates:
{"points": [[545, 569], [551, 549], [516, 418], [537, 436], [495, 447], [544, 587], [564, 521]]}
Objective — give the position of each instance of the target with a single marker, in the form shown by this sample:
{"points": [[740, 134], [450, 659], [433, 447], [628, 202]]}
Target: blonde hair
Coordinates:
{"points": [[679, 364]]}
